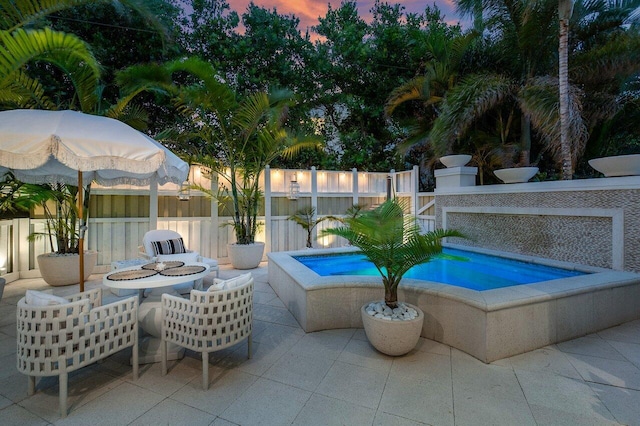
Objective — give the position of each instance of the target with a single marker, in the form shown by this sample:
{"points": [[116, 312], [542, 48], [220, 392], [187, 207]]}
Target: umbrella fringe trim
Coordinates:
{"points": [[26, 161], [86, 164]]}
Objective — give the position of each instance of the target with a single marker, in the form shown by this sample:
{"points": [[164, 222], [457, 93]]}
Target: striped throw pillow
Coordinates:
{"points": [[174, 246]]}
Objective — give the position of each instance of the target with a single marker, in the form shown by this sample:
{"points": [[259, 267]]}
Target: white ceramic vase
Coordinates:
{"points": [[64, 269], [393, 338], [245, 256]]}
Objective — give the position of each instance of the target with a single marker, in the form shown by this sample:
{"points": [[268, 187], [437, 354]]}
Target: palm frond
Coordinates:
{"points": [[415, 89], [469, 100], [25, 92], [18, 14], [66, 51], [539, 99]]}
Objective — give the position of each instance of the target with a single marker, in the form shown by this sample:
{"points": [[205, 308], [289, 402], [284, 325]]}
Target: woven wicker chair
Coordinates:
{"points": [[58, 339], [209, 321]]}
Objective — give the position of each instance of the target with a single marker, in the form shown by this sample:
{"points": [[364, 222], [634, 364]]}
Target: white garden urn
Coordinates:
{"points": [[392, 337], [64, 269], [245, 256]]}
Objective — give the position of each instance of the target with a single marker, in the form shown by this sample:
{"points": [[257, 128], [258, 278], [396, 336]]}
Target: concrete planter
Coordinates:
{"points": [[618, 165], [516, 174], [245, 256], [59, 270], [392, 337], [458, 160]]}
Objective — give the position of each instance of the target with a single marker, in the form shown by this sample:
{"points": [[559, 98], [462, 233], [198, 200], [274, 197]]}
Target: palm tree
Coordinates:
{"points": [[523, 33], [235, 138], [519, 33], [445, 49], [392, 241], [565, 9]]}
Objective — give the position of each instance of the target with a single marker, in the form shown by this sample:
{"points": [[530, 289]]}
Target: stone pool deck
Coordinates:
{"points": [[335, 378]]}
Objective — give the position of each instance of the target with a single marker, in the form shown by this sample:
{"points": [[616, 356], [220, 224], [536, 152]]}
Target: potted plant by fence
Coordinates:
{"points": [[58, 203], [234, 137], [392, 241], [306, 218], [253, 136]]}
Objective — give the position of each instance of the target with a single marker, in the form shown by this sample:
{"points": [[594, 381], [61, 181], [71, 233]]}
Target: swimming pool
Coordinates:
{"points": [[475, 271], [489, 324]]}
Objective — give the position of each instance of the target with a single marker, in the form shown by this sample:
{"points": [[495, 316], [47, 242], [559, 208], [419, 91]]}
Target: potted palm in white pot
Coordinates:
{"points": [[392, 241], [58, 203]]}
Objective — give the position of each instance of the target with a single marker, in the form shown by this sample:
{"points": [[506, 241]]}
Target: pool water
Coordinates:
{"points": [[456, 267]]}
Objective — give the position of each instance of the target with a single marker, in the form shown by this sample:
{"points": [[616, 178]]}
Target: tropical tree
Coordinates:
{"points": [[527, 84], [232, 136], [565, 9], [445, 47], [519, 32], [119, 37]]}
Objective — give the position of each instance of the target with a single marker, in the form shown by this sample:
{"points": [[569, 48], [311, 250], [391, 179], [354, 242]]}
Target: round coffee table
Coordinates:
{"points": [[150, 309]]}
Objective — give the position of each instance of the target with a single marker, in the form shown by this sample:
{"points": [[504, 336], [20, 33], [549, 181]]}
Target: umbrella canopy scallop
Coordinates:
{"points": [[41, 146]]}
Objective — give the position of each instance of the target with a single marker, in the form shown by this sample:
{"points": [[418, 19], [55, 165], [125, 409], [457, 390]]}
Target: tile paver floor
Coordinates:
{"points": [[333, 377]]}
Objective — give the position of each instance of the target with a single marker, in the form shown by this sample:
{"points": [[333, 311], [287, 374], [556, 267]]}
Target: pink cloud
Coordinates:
{"points": [[308, 11]]}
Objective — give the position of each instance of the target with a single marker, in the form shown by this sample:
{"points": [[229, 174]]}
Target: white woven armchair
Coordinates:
{"points": [[58, 339], [209, 321]]}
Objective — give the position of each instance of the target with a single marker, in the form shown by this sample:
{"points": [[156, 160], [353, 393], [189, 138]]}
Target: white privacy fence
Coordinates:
{"points": [[118, 236]]}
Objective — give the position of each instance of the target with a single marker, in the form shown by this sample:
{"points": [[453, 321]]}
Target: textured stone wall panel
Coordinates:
{"points": [[544, 236], [580, 239]]}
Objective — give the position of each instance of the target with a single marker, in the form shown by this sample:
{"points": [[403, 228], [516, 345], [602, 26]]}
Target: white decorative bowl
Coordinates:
{"points": [[455, 160], [619, 165], [516, 174]]}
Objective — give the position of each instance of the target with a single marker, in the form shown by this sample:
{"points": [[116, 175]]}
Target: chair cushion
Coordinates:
{"points": [[173, 246], [230, 283], [39, 298], [180, 257]]}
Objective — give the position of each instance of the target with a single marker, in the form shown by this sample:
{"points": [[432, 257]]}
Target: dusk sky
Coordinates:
{"points": [[308, 11]]}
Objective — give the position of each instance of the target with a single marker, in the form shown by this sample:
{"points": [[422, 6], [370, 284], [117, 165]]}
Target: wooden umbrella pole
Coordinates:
{"points": [[81, 238]]}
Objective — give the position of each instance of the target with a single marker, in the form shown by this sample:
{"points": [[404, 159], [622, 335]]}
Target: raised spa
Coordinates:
{"points": [[488, 324], [462, 268]]}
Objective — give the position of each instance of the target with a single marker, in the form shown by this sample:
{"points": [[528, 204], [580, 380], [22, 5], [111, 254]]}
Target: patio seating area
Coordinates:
{"points": [[331, 377]]}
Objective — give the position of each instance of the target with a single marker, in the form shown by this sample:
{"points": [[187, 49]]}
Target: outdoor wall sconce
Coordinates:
{"points": [[294, 188], [185, 191]]}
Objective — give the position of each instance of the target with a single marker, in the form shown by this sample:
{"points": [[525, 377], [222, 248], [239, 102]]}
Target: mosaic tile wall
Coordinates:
{"points": [[580, 239]]}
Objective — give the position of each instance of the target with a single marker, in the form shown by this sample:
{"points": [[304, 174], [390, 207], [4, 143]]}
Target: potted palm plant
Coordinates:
{"points": [[305, 217], [58, 204], [392, 241]]}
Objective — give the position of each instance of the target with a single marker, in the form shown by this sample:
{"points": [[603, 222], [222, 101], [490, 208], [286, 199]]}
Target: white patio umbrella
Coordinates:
{"points": [[71, 147]]}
